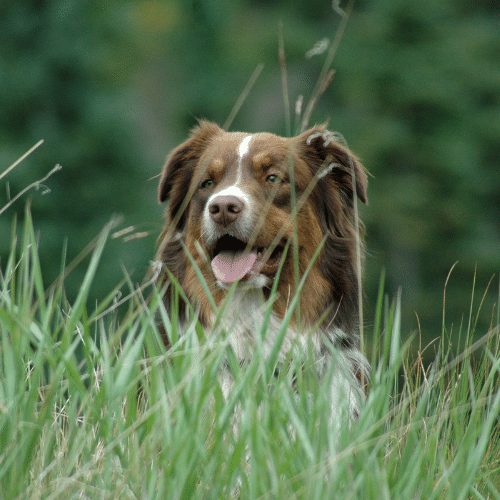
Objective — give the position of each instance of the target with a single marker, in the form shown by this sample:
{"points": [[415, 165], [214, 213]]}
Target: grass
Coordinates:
{"points": [[92, 405]]}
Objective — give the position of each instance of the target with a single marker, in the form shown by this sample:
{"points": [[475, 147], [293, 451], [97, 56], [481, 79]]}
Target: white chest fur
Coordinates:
{"points": [[250, 328]]}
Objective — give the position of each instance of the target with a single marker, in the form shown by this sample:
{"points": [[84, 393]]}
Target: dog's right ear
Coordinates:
{"points": [[182, 160], [179, 167]]}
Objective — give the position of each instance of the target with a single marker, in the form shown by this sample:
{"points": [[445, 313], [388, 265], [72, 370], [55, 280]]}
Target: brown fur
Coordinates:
{"points": [[330, 294]]}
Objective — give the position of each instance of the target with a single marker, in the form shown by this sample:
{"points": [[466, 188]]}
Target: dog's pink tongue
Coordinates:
{"points": [[229, 267]]}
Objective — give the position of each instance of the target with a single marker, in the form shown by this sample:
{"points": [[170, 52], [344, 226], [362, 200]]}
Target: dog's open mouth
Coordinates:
{"points": [[233, 261]]}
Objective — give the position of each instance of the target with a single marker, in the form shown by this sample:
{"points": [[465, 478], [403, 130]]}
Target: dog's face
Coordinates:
{"points": [[238, 200]]}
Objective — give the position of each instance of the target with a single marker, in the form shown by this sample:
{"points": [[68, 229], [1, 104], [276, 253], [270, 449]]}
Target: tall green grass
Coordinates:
{"points": [[92, 405]]}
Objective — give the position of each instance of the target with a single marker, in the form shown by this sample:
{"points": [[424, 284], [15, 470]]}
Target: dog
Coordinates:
{"points": [[256, 212]]}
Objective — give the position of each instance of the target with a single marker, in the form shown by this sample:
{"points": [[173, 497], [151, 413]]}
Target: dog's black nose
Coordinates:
{"points": [[225, 209]]}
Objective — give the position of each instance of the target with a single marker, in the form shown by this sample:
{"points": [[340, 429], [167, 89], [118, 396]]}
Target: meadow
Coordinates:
{"points": [[92, 405]]}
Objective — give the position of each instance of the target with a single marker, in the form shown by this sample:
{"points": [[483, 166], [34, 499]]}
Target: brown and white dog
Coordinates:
{"points": [[245, 206]]}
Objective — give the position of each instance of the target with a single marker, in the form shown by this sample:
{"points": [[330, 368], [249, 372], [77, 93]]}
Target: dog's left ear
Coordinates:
{"points": [[325, 155]]}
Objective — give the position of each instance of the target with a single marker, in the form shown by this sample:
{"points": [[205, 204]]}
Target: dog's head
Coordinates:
{"points": [[237, 201]]}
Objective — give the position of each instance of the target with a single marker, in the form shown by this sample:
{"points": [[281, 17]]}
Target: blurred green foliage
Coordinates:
{"points": [[66, 78], [112, 86]]}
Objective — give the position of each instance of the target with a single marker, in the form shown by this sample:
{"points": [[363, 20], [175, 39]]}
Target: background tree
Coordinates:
{"points": [[66, 78], [112, 87]]}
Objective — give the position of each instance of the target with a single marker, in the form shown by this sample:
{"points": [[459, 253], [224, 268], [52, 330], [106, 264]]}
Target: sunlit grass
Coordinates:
{"points": [[93, 405]]}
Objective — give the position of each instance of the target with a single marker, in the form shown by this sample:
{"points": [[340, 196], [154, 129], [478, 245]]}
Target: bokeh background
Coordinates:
{"points": [[112, 86]]}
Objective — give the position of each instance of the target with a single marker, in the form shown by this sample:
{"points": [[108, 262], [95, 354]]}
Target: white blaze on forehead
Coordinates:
{"points": [[243, 148]]}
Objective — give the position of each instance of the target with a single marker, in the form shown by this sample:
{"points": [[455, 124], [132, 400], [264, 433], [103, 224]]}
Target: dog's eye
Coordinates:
{"points": [[273, 179], [206, 183]]}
